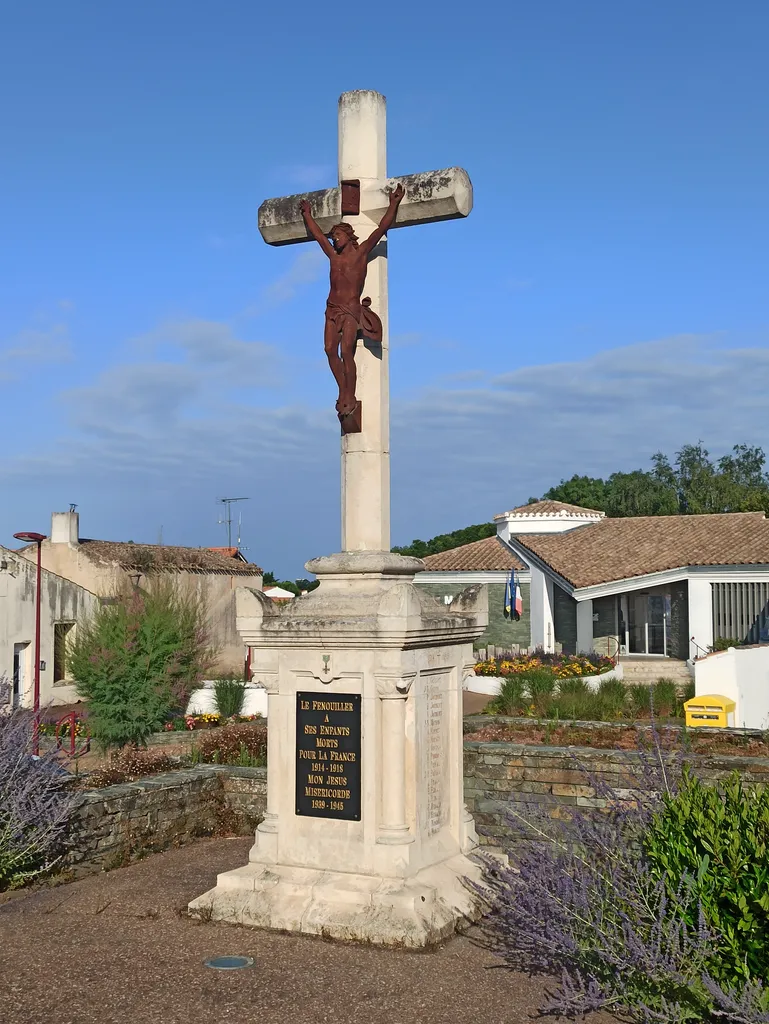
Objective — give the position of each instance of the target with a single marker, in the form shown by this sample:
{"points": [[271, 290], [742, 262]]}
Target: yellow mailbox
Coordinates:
{"points": [[710, 710]]}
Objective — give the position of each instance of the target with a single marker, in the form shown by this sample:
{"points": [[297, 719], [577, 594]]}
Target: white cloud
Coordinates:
{"points": [[460, 453], [34, 345], [306, 268], [212, 345], [461, 450]]}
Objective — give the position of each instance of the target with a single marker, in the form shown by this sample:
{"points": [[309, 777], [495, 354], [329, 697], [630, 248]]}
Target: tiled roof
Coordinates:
{"points": [[489, 554], [617, 549], [549, 508], [148, 558]]}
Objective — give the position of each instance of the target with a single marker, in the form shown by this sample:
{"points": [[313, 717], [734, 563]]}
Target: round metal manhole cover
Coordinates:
{"points": [[229, 963]]}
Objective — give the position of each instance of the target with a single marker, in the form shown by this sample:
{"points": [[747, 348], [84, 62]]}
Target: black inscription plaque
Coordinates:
{"points": [[328, 755]]}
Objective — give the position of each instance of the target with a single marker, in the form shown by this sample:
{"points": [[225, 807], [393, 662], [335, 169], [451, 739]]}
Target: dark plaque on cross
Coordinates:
{"points": [[328, 747]]}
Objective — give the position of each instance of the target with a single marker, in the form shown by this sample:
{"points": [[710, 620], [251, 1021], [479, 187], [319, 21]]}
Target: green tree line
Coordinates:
{"points": [[690, 483]]}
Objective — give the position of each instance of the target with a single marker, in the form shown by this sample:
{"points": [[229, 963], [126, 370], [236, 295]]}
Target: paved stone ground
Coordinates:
{"points": [[117, 948]]}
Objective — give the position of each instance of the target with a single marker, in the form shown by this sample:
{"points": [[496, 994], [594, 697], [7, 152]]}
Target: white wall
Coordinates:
{"points": [[557, 522], [541, 600], [700, 614], [742, 674], [61, 601]]}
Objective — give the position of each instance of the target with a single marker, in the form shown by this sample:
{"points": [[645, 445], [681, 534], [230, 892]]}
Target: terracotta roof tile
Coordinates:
{"points": [[489, 554], [166, 558], [549, 508], [617, 549]]}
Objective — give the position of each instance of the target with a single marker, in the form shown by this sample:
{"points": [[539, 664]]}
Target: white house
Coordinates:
{"points": [[104, 566], [652, 586], [63, 605]]}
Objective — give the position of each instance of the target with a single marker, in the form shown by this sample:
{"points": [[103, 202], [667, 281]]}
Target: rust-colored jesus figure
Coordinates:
{"points": [[346, 313]]}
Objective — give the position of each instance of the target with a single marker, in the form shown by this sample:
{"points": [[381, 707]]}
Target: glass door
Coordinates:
{"points": [[656, 631], [637, 608], [19, 673]]}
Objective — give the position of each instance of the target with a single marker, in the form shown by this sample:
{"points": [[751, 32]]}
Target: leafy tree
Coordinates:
{"points": [[585, 491], [446, 541], [692, 484], [137, 660]]}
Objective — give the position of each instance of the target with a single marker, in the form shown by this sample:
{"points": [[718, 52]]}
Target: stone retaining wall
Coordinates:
{"points": [[504, 776], [114, 825]]}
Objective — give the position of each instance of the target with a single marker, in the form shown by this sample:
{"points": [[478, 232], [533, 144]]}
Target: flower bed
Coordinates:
{"points": [[563, 666], [209, 720], [48, 728]]}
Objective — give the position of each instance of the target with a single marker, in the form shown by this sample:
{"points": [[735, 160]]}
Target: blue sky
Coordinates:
{"points": [[605, 299]]}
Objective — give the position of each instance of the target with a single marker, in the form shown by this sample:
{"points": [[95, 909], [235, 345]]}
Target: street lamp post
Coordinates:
{"points": [[36, 538]]}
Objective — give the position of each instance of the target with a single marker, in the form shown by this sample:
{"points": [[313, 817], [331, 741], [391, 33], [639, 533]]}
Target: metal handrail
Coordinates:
{"points": [[70, 721], [703, 649], [615, 657]]}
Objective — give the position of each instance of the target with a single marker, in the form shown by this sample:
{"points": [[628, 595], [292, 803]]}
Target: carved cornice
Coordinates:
{"points": [[395, 687]]}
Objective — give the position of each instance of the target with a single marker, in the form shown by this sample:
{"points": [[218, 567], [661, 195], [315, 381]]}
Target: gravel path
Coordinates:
{"points": [[117, 947]]}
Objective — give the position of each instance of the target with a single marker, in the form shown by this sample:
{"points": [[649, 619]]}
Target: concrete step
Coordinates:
{"points": [[643, 670]]}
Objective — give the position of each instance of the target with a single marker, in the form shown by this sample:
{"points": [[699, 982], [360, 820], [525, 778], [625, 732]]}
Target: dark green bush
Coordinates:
{"points": [[717, 838], [229, 695], [137, 660]]}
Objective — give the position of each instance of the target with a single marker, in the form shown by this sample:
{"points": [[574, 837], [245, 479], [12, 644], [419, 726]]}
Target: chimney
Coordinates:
{"points": [[65, 528]]}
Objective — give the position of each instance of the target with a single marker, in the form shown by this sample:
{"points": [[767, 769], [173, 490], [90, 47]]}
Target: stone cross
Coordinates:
{"points": [[361, 200]]}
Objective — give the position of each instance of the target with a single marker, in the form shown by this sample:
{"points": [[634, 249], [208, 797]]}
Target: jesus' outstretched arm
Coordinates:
{"points": [[314, 230], [387, 221]]}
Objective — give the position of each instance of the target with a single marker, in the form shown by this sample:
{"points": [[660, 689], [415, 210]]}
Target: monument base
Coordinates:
{"points": [[408, 912], [366, 836]]}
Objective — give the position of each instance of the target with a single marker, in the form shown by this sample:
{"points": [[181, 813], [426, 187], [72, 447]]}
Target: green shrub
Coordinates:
{"points": [[241, 745], [717, 839], [539, 685], [723, 643], [665, 695], [612, 696], [510, 699], [137, 659], [575, 701], [229, 695], [575, 687], [640, 700]]}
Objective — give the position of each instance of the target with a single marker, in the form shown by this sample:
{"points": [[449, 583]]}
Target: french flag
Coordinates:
{"points": [[513, 599]]}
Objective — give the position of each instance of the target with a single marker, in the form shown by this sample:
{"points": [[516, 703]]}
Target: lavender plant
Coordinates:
{"points": [[34, 804], [582, 899]]}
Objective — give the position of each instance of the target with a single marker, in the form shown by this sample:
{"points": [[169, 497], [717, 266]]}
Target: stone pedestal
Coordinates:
{"points": [[384, 857]]}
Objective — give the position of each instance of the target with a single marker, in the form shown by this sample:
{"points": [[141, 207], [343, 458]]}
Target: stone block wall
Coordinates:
{"points": [[114, 825], [500, 777]]}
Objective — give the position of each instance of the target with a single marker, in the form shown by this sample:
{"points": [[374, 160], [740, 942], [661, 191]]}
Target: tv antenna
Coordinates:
{"points": [[228, 502]]}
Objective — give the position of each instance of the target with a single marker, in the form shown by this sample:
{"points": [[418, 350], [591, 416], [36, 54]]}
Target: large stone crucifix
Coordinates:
{"points": [[369, 203]]}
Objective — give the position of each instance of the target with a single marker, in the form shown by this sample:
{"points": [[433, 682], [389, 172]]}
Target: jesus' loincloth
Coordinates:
{"points": [[365, 319]]}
